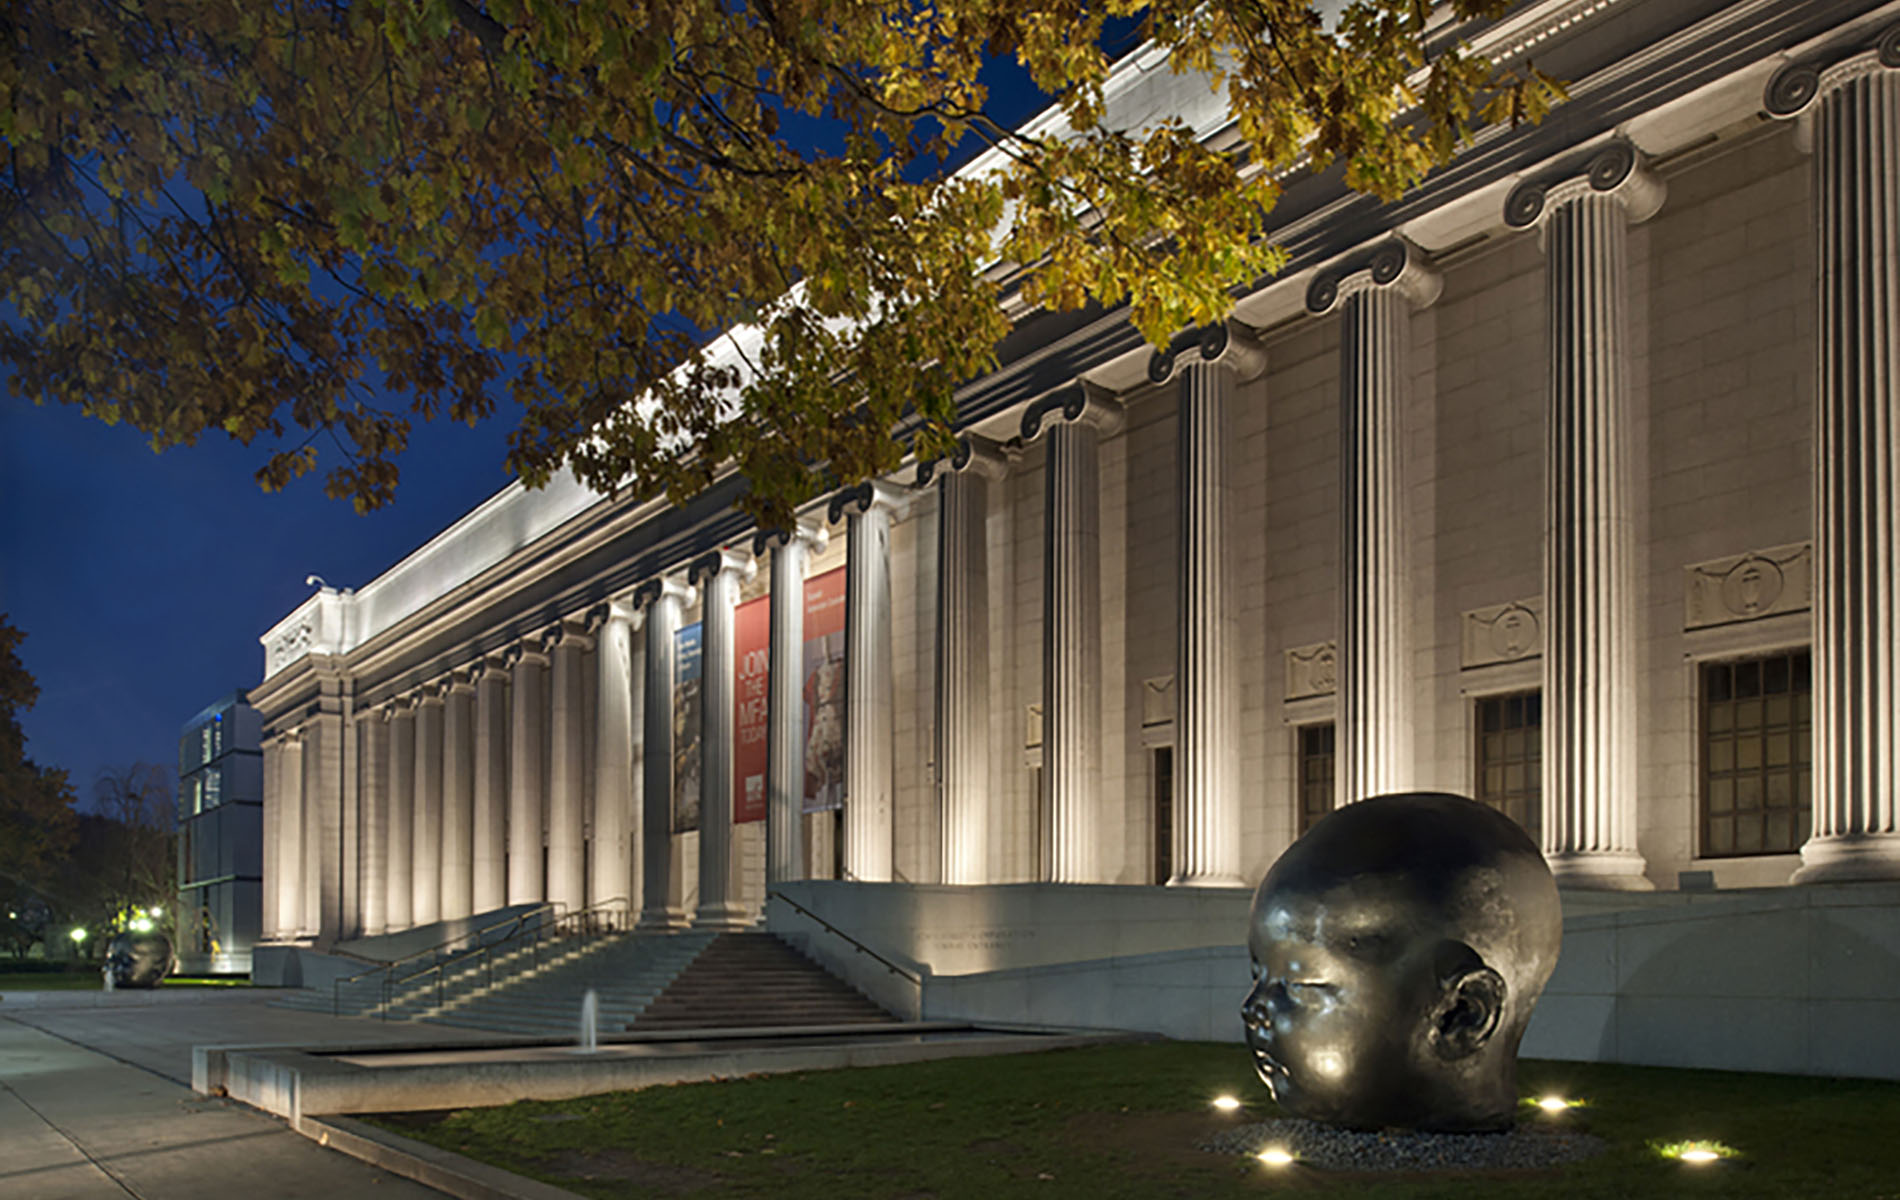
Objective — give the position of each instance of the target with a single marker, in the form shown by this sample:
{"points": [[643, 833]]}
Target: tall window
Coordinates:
{"points": [[1510, 757], [1316, 773], [1757, 751], [1163, 764]]}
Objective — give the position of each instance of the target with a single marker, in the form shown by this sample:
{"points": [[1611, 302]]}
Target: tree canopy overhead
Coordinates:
{"points": [[317, 222]]}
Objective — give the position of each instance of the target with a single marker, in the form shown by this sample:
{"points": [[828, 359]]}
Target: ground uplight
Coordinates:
{"points": [[1275, 1156], [1226, 1103], [1696, 1154], [1553, 1104]]}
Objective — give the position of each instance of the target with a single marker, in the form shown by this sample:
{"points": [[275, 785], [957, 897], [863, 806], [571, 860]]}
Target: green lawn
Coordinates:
{"points": [[1123, 1121]]}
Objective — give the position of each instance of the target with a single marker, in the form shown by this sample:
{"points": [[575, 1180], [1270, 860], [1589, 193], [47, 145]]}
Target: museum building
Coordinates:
{"points": [[1570, 482]]}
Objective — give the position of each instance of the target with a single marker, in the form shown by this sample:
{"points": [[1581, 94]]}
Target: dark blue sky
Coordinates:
{"points": [[143, 581]]}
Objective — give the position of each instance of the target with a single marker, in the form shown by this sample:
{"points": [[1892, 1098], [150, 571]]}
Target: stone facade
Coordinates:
{"points": [[1539, 471]]}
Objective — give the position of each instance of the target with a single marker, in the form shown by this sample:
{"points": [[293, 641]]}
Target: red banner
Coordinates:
{"points": [[752, 658], [824, 691]]}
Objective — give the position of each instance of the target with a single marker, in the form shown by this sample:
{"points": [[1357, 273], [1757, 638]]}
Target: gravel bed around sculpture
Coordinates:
{"points": [[1320, 1145]]}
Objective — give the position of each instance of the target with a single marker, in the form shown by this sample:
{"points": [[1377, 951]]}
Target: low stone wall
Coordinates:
{"points": [[1800, 980]]}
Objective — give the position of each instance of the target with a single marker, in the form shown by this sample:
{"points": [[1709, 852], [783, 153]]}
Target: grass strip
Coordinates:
{"points": [[1125, 1120]]}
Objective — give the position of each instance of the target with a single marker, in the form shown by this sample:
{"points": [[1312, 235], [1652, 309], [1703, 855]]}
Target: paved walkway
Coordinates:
{"points": [[114, 1115]]}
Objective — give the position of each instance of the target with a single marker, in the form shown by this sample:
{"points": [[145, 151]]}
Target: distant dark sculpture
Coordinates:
{"points": [[1398, 949], [138, 960]]}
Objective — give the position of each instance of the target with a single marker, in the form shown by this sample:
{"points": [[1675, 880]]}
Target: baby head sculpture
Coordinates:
{"points": [[1398, 949]]}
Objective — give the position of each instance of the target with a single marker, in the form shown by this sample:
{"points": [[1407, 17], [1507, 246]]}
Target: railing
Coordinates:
{"points": [[837, 932], [437, 952], [607, 916]]}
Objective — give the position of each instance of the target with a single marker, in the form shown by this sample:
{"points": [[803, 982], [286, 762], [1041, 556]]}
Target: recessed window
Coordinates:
{"points": [[1510, 757], [1757, 755], [1315, 773]]}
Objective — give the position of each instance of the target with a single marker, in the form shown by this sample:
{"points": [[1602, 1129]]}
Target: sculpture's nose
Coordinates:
{"points": [[1256, 1011]]}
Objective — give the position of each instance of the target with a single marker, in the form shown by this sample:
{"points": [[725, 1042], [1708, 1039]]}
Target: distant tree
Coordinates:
{"points": [[123, 857], [306, 217], [24, 923], [36, 803]]}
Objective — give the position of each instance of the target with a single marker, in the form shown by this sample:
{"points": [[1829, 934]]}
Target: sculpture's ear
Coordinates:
{"points": [[1470, 1003]]}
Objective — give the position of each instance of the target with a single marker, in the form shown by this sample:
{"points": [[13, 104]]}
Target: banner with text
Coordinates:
{"points": [[752, 670], [824, 691], [686, 726]]}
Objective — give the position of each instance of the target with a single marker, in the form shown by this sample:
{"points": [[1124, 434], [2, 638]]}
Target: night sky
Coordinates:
{"points": [[143, 581]]}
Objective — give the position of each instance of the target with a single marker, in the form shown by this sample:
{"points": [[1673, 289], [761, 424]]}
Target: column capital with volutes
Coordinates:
{"points": [[1080, 403], [676, 587], [861, 498], [725, 560], [1792, 91], [975, 454], [1616, 171], [808, 528], [1222, 344], [1393, 263]]}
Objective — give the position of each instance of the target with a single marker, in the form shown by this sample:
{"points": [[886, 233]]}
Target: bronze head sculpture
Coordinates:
{"points": [[1398, 949]]}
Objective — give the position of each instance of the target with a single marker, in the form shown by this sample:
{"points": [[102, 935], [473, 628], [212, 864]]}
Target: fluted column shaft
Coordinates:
{"points": [[527, 775], [425, 873], [963, 661], [785, 725], [399, 870], [1856, 147], [1206, 812], [458, 799], [612, 874], [1072, 649], [310, 921], [1590, 586], [489, 886], [662, 599], [268, 861], [374, 734], [290, 835], [868, 693], [721, 575], [567, 836]]}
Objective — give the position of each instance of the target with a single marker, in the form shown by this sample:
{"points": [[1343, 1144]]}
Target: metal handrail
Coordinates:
{"points": [[861, 947], [483, 957], [389, 968]]}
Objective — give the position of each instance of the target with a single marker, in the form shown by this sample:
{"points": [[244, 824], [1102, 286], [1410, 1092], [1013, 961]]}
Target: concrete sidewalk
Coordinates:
{"points": [[76, 1124], [156, 1030]]}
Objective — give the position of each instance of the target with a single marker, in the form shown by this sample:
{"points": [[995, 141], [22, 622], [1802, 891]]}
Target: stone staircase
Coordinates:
{"points": [[626, 973], [753, 980]]}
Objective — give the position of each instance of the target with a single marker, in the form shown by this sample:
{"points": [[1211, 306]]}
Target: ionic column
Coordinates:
{"points": [[268, 862], [527, 772], [310, 923], [720, 575], [869, 698], [425, 872], [1375, 297], [1854, 107], [1206, 832], [290, 837], [661, 599], [1590, 583], [614, 788], [399, 872], [374, 739], [458, 798], [963, 655], [785, 726], [567, 785], [489, 850], [1072, 622]]}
